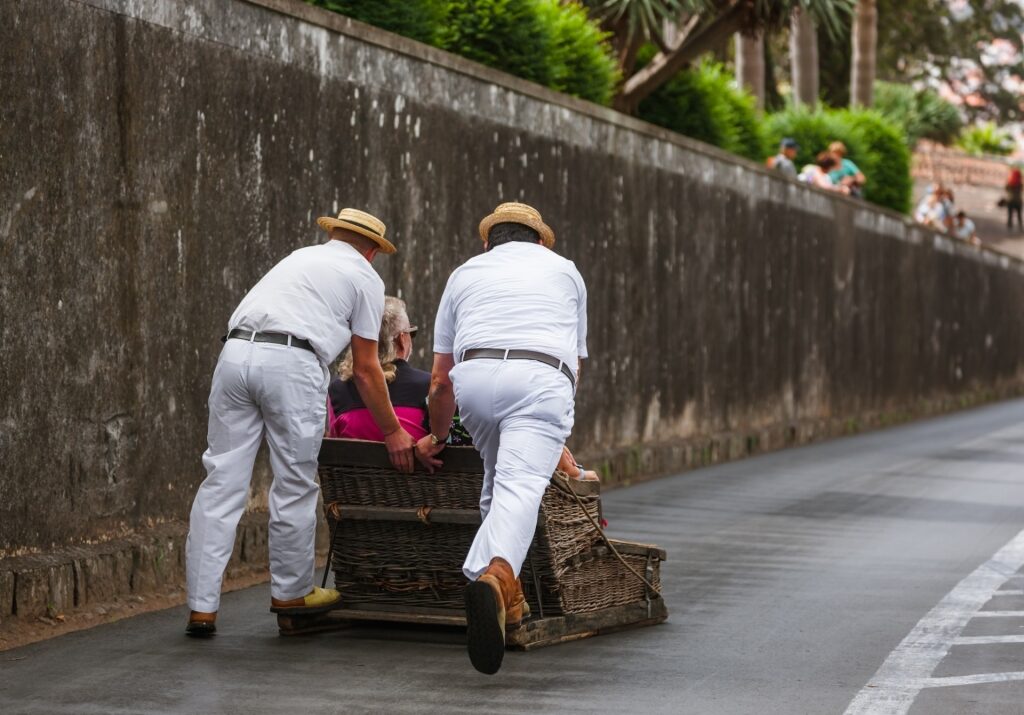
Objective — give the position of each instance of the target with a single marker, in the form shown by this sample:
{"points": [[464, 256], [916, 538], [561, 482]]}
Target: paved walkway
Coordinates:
{"points": [[854, 576]]}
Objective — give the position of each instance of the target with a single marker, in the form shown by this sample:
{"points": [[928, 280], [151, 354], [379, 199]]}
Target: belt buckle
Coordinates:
{"points": [[506, 355]]}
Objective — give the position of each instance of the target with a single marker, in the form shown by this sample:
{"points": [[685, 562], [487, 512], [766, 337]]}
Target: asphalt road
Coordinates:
{"points": [[798, 582]]}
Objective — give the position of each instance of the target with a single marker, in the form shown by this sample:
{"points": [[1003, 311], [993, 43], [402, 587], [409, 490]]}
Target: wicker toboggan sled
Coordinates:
{"points": [[398, 542]]}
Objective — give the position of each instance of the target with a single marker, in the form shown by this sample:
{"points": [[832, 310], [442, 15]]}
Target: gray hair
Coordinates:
{"points": [[392, 324]]}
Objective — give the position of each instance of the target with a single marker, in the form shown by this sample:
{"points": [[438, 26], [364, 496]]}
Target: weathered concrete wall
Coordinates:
{"points": [[156, 157]]}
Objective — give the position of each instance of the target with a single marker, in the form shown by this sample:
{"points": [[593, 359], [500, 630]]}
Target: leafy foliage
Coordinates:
{"points": [[551, 42], [644, 19], [921, 40], [923, 114], [986, 139], [509, 35], [888, 166], [704, 104], [581, 61], [421, 20], [874, 143]]}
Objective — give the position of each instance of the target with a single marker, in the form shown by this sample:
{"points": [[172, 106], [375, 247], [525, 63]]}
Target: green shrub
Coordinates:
{"points": [[876, 145], [422, 20], [923, 114], [704, 104], [582, 63], [888, 170], [509, 35], [550, 42], [986, 139]]}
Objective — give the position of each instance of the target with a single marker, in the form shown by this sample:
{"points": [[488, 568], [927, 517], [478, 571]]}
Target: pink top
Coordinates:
{"points": [[359, 423]]}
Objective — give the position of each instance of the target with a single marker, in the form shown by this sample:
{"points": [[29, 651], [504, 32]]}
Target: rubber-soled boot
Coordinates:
{"points": [[487, 600], [201, 625]]}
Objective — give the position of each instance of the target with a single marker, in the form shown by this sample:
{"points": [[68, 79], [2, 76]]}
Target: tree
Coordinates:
{"points": [[803, 53], [865, 44], [750, 65], [699, 26], [972, 49]]}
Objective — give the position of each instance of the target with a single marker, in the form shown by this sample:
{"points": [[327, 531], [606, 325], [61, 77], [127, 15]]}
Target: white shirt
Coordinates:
{"points": [[325, 294], [517, 296]]}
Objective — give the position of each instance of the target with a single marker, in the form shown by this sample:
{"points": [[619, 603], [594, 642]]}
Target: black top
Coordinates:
{"points": [[408, 389]]}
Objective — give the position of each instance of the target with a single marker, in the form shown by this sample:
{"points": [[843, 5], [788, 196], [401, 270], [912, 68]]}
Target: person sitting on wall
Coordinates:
{"points": [[933, 210], [783, 161], [846, 173], [964, 229], [348, 416], [818, 173]]}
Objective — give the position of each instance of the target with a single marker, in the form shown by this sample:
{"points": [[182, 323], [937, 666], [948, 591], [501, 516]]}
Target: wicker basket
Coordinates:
{"points": [[398, 541]]}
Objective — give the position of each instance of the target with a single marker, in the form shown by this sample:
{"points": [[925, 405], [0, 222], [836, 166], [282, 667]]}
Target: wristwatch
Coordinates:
{"points": [[435, 440]]}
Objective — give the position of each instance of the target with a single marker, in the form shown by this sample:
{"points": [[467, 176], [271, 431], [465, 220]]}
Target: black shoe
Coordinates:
{"points": [[485, 637]]}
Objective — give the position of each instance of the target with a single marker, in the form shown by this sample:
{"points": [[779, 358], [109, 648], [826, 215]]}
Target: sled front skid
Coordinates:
{"points": [[534, 633]]}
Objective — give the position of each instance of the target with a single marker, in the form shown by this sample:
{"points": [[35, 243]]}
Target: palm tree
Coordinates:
{"points": [[865, 45], [803, 52], [750, 65], [698, 26]]}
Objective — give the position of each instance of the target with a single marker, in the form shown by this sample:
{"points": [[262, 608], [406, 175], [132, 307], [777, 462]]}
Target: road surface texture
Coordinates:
{"points": [[874, 574]]}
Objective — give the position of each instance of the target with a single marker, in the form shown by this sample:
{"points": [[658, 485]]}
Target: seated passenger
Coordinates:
{"points": [[407, 387]]}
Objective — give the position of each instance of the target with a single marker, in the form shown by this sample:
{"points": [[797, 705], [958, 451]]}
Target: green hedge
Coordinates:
{"points": [[704, 104], [888, 171], [509, 35], [422, 20], [550, 42], [581, 60]]}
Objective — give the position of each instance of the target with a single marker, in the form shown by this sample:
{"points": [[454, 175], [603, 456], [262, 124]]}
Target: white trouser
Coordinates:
{"points": [[259, 389], [519, 412]]}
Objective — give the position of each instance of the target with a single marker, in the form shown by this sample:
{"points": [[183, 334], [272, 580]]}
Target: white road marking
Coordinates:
{"points": [[988, 640], [979, 679], [999, 614], [906, 671], [1009, 592]]}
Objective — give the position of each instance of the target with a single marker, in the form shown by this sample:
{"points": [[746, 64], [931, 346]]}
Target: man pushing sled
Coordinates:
{"points": [[508, 340], [271, 381]]}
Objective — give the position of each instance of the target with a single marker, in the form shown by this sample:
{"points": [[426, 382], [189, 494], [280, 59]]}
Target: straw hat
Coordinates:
{"points": [[518, 213], [360, 222]]}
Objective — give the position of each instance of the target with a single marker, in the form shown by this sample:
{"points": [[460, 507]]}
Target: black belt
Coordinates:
{"points": [[275, 338], [496, 354]]}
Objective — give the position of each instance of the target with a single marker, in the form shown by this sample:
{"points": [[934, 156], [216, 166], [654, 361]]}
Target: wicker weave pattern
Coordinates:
{"points": [[602, 583], [370, 486], [401, 562]]}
